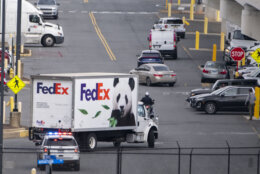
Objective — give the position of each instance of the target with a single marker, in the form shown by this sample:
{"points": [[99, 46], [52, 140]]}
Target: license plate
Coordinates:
{"points": [[214, 72], [157, 46]]}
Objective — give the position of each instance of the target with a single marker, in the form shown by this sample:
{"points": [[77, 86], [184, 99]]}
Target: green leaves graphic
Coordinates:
{"points": [[97, 114], [106, 107], [83, 111], [112, 122]]}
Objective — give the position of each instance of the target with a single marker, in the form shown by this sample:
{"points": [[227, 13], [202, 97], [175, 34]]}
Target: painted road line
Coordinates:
{"points": [[102, 38], [186, 51], [201, 33], [202, 49]]}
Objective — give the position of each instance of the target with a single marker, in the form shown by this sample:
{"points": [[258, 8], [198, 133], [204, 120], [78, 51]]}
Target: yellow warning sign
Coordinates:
{"points": [[256, 55], [16, 84]]}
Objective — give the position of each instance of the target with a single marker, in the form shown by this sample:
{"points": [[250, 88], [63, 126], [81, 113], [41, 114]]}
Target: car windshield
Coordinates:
{"points": [[218, 91], [150, 55], [175, 21], [215, 65], [60, 142], [46, 2], [160, 68]]}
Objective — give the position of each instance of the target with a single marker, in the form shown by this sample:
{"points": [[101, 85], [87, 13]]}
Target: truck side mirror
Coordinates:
{"points": [[227, 42]]}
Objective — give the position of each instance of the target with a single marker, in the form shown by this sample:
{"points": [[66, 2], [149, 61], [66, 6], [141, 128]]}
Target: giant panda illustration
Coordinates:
{"points": [[122, 102]]}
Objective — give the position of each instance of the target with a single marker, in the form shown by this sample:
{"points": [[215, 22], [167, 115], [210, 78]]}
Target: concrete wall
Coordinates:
{"points": [[250, 22], [211, 9]]}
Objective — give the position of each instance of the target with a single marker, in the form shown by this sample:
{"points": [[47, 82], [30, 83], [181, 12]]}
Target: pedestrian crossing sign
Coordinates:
{"points": [[16, 84], [256, 55]]}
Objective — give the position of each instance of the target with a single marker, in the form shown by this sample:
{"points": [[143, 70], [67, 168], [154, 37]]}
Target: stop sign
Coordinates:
{"points": [[237, 54]]}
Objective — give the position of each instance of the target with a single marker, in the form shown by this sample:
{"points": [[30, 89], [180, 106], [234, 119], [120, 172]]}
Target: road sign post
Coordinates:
{"points": [[237, 54]]}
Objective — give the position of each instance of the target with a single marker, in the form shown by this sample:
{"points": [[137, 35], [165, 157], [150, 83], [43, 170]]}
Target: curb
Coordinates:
{"points": [[27, 54], [15, 133]]}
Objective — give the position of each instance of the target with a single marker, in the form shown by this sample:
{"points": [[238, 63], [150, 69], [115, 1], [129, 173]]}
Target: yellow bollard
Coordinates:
{"points": [[222, 41], [184, 21], [244, 61], [197, 41], [191, 11], [214, 55], [179, 2], [19, 106], [166, 4], [169, 9], [206, 25], [33, 171], [22, 48], [19, 69], [11, 104], [256, 109], [11, 73], [218, 15]]}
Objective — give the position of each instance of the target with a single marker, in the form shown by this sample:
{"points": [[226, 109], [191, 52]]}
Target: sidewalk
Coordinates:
{"points": [[11, 132]]}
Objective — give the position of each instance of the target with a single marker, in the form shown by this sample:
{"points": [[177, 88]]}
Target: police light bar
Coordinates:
{"points": [[59, 133]]}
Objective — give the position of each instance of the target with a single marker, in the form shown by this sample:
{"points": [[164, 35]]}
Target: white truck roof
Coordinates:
{"points": [[85, 74]]}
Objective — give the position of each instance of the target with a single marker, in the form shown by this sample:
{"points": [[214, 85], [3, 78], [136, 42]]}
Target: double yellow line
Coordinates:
{"points": [[102, 38]]}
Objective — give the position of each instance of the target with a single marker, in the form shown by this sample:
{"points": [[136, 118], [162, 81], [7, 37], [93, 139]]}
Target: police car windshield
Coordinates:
{"points": [[60, 142]]}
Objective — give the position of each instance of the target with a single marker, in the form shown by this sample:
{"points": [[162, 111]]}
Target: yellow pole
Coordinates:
{"points": [[22, 48], [10, 46], [179, 2], [166, 4], [11, 73], [6, 62], [222, 41], [243, 61], [197, 41], [19, 69], [19, 106], [169, 9], [206, 25], [11, 104], [191, 11], [214, 55], [218, 15], [256, 109]]}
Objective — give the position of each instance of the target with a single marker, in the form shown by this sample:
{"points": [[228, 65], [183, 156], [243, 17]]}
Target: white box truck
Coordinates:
{"points": [[33, 28], [93, 106], [165, 41]]}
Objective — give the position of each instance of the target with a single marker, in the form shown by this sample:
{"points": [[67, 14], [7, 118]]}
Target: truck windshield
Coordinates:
{"points": [[46, 2], [60, 142], [238, 35]]}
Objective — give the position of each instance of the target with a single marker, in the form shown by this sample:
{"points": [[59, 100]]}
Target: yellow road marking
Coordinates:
{"points": [[202, 49], [187, 51], [101, 37], [201, 33]]}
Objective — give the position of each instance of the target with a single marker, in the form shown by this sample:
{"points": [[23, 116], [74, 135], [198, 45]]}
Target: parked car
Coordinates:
{"points": [[214, 71], [154, 74], [63, 145], [49, 8], [227, 98], [172, 22], [253, 75], [149, 56], [5, 86], [222, 83]]}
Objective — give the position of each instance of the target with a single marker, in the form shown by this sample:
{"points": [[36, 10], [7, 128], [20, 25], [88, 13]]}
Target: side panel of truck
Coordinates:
{"points": [[105, 103], [52, 103]]}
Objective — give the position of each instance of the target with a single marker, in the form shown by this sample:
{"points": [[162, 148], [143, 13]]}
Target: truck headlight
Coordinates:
{"points": [[59, 33]]}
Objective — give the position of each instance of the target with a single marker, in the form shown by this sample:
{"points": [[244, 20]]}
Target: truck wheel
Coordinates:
{"points": [[174, 54], [48, 41], [77, 166], [91, 142], [116, 144], [151, 139]]}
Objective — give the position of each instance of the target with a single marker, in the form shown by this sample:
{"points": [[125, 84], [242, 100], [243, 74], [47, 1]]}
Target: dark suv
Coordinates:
{"points": [[221, 83]]}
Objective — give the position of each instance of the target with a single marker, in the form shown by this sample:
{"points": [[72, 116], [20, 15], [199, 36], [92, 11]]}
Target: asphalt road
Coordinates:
{"points": [[126, 25]]}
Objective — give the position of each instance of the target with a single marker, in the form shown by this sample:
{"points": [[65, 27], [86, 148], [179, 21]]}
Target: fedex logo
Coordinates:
{"points": [[97, 93], [55, 89]]}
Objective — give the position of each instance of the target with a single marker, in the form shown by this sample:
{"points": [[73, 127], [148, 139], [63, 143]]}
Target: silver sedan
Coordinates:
{"points": [[155, 73]]}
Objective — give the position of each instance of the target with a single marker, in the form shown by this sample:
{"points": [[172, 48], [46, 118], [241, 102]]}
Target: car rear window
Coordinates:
{"points": [[60, 142], [175, 21], [150, 59], [150, 55], [215, 65], [160, 68]]}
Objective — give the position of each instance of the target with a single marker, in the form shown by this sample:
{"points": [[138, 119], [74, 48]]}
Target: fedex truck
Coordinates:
{"points": [[93, 106], [33, 28]]}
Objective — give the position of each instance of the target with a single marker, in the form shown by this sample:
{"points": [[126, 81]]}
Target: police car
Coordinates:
{"points": [[62, 145]]}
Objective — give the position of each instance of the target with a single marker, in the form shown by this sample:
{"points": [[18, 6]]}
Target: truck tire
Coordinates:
{"points": [[77, 166], [174, 54], [151, 139], [91, 142], [48, 41]]}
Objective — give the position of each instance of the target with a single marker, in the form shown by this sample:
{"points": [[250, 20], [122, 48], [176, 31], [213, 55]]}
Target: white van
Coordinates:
{"points": [[165, 41]]}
